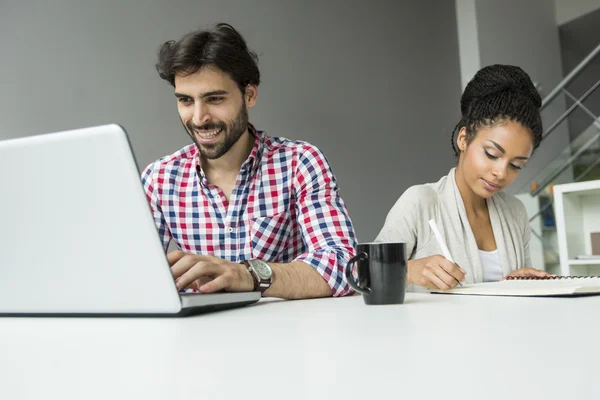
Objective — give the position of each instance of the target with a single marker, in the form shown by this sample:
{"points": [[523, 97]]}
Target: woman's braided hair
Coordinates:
{"points": [[498, 94]]}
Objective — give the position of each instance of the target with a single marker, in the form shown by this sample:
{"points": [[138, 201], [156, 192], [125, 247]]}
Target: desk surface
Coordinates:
{"points": [[433, 346]]}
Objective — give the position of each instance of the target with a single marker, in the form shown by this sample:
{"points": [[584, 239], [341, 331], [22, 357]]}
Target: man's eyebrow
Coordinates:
{"points": [[214, 93], [504, 151], [204, 95]]}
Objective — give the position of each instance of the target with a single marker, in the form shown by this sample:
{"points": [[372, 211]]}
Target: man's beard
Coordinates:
{"points": [[231, 133]]}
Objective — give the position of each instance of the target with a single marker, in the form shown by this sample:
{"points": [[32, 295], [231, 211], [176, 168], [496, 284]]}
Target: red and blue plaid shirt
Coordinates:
{"points": [[284, 207]]}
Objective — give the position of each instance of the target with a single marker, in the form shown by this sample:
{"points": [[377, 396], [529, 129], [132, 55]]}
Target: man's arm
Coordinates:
{"points": [[148, 181], [322, 217], [209, 274], [296, 280]]}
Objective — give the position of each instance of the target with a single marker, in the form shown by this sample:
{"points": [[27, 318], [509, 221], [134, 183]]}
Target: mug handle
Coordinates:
{"points": [[359, 257]]}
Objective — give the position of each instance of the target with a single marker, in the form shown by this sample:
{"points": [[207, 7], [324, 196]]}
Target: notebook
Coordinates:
{"points": [[559, 286]]}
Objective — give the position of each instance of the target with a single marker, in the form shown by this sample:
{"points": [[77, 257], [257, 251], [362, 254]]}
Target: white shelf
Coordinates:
{"points": [[586, 188], [577, 211], [584, 262]]}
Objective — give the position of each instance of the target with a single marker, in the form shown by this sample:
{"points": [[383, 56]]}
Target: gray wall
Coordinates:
{"points": [[568, 10], [525, 33], [375, 85]]}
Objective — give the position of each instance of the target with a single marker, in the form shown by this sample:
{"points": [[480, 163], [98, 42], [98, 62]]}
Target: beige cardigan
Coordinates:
{"points": [[408, 219]]}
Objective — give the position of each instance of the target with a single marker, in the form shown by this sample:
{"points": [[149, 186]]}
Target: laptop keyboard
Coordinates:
{"points": [[190, 291]]}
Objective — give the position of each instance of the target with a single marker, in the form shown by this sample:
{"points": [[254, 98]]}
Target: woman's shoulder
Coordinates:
{"points": [[427, 194], [422, 192], [407, 219], [418, 201], [420, 195]]}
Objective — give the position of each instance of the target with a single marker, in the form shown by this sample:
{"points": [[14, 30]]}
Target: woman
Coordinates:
{"points": [[487, 231]]}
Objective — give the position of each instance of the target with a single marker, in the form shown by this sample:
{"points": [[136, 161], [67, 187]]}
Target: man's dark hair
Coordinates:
{"points": [[222, 47], [498, 94]]}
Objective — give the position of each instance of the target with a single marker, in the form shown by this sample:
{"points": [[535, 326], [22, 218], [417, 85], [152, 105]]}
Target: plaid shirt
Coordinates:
{"points": [[284, 207]]}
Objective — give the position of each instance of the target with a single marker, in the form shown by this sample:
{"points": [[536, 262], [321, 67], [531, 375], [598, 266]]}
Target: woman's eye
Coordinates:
{"points": [[491, 156]]}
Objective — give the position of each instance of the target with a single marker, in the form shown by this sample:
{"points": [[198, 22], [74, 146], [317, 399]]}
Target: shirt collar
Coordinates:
{"points": [[252, 161], [257, 149]]}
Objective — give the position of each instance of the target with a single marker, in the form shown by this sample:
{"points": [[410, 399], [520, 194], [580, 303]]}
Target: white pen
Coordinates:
{"points": [[442, 243]]}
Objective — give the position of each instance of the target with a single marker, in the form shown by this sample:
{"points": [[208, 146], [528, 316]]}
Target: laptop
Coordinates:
{"points": [[77, 237]]}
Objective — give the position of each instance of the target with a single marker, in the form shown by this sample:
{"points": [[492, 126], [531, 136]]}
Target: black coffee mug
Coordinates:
{"points": [[381, 272]]}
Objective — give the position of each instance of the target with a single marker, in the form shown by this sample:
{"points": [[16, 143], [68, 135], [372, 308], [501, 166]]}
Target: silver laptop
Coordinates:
{"points": [[77, 236]]}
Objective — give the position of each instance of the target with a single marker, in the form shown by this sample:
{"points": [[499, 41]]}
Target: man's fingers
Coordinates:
{"points": [[175, 256], [199, 282], [184, 262], [197, 271], [182, 265], [216, 285]]}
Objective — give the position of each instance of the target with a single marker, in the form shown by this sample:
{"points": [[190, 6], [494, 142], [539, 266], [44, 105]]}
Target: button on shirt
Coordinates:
{"points": [[284, 207]]}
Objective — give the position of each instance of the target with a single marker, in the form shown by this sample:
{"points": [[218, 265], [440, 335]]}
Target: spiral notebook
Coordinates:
{"points": [[559, 286]]}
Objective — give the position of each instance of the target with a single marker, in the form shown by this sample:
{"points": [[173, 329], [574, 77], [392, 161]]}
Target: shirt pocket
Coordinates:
{"points": [[269, 236]]}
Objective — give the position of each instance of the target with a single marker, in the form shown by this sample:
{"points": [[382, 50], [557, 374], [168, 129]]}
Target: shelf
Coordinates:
{"points": [[585, 262], [580, 188], [577, 210]]}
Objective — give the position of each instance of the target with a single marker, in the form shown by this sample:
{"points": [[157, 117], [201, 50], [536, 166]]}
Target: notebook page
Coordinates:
{"points": [[530, 287]]}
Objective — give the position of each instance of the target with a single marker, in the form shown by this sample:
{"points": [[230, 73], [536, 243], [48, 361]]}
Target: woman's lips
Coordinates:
{"points": [[492, 187]]}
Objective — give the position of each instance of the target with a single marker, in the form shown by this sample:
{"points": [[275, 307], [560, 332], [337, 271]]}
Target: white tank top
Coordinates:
{"points": [[492, 269]]}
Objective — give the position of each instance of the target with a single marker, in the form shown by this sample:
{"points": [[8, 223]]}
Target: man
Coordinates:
{"points": [[247, 211]]}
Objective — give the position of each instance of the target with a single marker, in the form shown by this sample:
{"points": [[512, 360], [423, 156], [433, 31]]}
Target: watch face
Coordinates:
{"points": [[262, 269]]}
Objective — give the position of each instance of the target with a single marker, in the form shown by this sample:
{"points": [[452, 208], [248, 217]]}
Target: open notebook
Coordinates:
{"points": [[557, 286]]}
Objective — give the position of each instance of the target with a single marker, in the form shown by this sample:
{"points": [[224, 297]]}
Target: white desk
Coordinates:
{"points": [[433, 346]]}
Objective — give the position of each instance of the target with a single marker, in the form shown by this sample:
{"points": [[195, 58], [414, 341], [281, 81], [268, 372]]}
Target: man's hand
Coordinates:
{"points": [[209, 274], [529, 272], [434, 272]]}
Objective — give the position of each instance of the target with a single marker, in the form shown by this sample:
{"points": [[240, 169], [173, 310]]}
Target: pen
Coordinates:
{"points": [[440, 240]]}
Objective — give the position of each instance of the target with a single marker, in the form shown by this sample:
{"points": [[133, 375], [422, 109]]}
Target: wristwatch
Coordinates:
{"points": [[262, 274]]}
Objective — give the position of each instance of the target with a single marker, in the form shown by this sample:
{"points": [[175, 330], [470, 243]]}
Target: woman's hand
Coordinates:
{"points": [[434, 272], [529, 272]]}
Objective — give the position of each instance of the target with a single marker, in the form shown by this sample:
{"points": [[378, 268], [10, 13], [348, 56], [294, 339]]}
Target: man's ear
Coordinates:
{"points": [[251, 95]]}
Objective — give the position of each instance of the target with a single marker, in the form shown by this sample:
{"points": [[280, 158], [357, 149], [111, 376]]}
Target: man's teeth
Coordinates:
{"points": [[208, 135]]}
